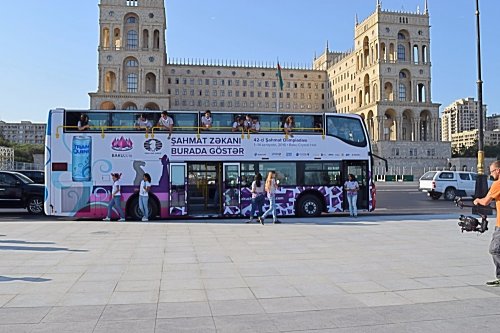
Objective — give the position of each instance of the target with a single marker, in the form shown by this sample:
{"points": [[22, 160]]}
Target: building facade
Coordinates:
{"points": [[23, 132], [493, 122], [467, 139], [385, 78], [460, 116]]}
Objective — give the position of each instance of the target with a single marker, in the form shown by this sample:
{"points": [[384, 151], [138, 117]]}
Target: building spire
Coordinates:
{"points": [[426, 8], [327, 50], [379, 5], [356, 22]]}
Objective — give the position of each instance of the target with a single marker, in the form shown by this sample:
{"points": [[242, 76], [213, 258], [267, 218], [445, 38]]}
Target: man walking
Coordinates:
{"points": [[494, 194]]}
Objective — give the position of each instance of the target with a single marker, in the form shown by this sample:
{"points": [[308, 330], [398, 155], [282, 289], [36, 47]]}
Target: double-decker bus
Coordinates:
{"points": [[200, 172]]}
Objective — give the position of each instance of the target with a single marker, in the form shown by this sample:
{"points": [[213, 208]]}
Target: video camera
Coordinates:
{"points": [[470, 223]]}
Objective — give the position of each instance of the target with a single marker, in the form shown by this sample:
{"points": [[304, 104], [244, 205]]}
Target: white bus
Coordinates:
{"points": [[204, 172]]}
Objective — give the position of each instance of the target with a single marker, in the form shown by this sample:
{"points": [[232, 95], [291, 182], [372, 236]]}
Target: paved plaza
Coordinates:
{"points": [[332, 274]]}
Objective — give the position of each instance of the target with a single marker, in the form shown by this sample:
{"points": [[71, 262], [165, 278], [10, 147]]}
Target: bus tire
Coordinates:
{"points": [[309, 205], [135, 213]]}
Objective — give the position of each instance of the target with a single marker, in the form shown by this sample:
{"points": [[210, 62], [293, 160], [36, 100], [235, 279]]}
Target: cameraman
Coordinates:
{"points": [[494, 194]]}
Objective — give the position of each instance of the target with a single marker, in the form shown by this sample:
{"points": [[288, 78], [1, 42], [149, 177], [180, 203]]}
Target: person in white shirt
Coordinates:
{"points": [[115, 198], [142, 122], [144, 189], [288, 126], [83, 124], [257, 196], [352, 187], [238, 124], [206, 120], [166, 122], [255, 127]]}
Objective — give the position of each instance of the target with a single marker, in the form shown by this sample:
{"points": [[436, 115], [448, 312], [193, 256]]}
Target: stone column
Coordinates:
{"points": [[380, 128], [399, 128]]}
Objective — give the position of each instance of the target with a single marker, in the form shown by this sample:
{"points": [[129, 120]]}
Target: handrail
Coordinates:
{"points": [[199, 130]]}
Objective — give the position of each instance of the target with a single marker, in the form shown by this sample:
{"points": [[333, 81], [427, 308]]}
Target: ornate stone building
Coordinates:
{"points": [[385, 78]]}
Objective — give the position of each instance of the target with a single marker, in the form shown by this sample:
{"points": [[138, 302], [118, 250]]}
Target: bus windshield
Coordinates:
{"points": [[349, 130]]}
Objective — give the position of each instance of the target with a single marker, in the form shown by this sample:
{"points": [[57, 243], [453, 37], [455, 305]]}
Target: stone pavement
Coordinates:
{"points": [[332, 274]]}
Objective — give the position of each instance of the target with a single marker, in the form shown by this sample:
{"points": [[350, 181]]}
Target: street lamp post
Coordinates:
{"points": [[481, 187]]}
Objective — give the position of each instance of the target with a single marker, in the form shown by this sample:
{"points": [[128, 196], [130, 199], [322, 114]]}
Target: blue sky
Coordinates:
{"points": [[45, 40]]}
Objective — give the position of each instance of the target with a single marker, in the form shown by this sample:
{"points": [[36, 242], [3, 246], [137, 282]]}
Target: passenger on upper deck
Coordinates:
{"points": [[288, 126], [166, 122], [206, 120], [238, 124], [248, 122], [142, 122], [83, 123], [255, 127]]}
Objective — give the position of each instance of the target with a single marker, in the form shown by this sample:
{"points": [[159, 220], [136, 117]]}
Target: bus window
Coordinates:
{"points": [[304, 123], [286, 172], [319, 173], [123, 121], [248, 173], [98, 119], [222, 122], [185, 121], [270, 122], [347, 129]]}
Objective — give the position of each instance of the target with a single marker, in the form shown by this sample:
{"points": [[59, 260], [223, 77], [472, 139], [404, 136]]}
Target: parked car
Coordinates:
{"points": [[449, 184], [19, 191], [37, 176]]}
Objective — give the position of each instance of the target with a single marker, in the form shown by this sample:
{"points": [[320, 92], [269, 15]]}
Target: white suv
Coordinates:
{"points": [[449, 183]]}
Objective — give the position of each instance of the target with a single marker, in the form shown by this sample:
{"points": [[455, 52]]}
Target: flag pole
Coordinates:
{"points": [[277, 91]]}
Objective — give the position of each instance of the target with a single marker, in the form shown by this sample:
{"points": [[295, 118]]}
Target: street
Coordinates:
{"points": [[393, 198]]}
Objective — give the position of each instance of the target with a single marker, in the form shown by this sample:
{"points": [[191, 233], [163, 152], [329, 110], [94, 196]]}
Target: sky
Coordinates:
{"points": [[49, 53]]}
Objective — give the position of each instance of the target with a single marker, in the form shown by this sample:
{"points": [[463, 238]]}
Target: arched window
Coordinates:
{"points": [[132, 83], [402, 75], [421, 93], [105, 38], [132, 40], [424, 54], [132, 63], [401, 52], [118, 40], [401, 36], [145, 38], [156, 39], [415, 54], [131, 20], [402, 92]]}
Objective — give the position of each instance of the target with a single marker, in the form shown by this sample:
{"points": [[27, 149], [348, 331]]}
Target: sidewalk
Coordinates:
{"points": [[371, 274]]}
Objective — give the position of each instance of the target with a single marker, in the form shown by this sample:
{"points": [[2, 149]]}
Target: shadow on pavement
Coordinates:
{"points": [[41, 249], [24, 242], [27, 279]]}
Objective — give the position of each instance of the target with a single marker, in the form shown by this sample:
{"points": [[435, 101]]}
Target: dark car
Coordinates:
{"points": [[19, 191], [37, 176]]}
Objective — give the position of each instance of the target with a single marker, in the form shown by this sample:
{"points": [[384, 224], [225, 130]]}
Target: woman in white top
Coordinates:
{"points": [[257, 196], [206, 120], [288, 126], [115, 199], [166, 122], [144, 189], [271, 187], [352, 187]]}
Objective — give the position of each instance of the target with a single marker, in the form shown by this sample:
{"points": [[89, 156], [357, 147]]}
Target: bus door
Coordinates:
{"points": [[178, 189], [202, 184], [360, 170], [231, 189]]}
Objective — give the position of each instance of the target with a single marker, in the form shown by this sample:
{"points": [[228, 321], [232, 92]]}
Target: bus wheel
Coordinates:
{"points": [[135, 213], [309, 206]]}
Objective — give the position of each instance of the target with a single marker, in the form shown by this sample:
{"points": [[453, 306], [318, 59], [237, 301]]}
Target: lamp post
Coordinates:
{"points": [[481, 187]]}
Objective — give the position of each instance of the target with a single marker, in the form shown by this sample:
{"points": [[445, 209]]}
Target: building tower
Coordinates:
{"points": [[132, 56]]}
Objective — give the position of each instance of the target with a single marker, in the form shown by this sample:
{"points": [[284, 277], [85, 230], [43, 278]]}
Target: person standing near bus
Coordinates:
{"points": [[352, 187], [270, 187], [257, 196], [144, 189], [116, 196], [206, 120], [166, 122]]}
